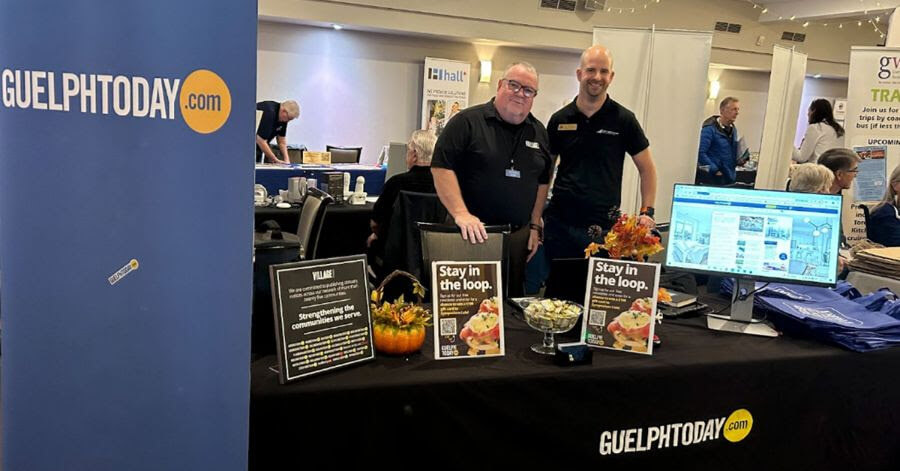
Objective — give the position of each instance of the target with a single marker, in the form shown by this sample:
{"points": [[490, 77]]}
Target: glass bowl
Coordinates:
{"points": [[551, 316]]}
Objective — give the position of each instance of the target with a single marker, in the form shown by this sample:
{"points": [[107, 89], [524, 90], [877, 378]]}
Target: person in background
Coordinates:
{"points": [[811, 178], [274, 124], [454, 110], [417, 178], [844, 163], [718, 154], [884, 221], [823, 132], [591, 135], [492, 165]]}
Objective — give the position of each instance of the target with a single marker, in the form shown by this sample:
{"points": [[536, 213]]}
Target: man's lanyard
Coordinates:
{"points": [[512, 171]]}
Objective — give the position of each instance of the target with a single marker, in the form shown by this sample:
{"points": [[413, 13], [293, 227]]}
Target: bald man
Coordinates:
{"points": [[591, 136]]}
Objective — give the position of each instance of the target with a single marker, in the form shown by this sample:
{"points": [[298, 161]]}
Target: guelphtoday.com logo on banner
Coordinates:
{"points": [[202, 98], [733, 428]]}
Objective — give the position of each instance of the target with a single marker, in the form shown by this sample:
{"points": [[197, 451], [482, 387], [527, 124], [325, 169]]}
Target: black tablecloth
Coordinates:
{"points": [[344, 230], [813, 406]]}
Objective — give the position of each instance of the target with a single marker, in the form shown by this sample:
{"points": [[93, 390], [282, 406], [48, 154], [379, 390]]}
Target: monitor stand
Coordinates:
{"points": [[741, 319]]}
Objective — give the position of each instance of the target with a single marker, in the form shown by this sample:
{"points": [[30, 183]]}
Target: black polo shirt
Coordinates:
{"points": [[480, 147], [417, 179], [591, 157], [269, 126]]}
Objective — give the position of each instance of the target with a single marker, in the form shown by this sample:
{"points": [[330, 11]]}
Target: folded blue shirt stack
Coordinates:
{"points": [[839, 315]]}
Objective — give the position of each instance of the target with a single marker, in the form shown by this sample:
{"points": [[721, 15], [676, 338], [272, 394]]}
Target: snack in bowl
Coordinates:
{"points": [[552, 315], [482, 331], [631, 328]]}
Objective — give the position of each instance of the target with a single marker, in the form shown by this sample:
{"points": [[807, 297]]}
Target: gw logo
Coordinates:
{"points": [[886, 63]]}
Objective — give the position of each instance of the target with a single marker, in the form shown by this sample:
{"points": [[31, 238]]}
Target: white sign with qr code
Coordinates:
{"points": [[448, 326], [597, 317]]}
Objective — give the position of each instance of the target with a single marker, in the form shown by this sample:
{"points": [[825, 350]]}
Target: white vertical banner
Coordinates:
{"points": [[649, 65], [445, 91], [782, 107], [872, 127]]}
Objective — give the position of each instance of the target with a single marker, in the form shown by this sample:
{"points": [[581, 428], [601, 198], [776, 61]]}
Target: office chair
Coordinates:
{"points": [[443, 242], [312, 216], [344, 155], [865, 210]]}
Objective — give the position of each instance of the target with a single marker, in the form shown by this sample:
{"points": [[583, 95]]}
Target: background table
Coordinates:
{"points": [[275, 177], [814, 406], [344, 229]]}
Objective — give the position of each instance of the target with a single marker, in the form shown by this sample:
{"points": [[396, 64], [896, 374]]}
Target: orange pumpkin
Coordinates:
{"points": [[394, 340]]}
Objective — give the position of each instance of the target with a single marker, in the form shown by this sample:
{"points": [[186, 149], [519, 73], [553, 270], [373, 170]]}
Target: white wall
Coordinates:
{"points": [[752, 89], [362, 88], [828, 89], [522, 22]]}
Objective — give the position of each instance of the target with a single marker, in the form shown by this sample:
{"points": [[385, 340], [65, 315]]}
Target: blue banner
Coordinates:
{"points": [[125, 243]]}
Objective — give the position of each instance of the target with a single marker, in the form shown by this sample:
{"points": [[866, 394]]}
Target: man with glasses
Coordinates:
{"points": [[844, 163], [492, 165], [717, 156], [591, 135]]}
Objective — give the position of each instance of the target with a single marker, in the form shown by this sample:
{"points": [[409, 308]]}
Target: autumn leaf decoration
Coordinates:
{"points": [[627, 239]]}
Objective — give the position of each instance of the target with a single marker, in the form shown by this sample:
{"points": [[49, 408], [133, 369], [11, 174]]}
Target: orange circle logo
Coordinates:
{"points": [[205, 101]]}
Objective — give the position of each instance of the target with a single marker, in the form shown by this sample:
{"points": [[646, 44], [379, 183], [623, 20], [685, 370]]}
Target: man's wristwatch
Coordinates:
{"points": [[648, 211]]}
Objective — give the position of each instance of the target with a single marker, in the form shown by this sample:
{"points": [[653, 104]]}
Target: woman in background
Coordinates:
{"points": [[811, 178], [884, 221], [822, 134]]}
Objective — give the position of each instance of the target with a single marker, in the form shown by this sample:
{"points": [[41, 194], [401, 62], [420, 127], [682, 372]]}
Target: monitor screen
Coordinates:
{"points": [[759, 234]]}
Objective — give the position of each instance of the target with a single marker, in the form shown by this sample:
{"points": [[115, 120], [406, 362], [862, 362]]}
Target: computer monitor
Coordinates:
{"points": [[754, 235]]}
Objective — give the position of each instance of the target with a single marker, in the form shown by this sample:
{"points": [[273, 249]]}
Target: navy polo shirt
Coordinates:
{"points": [[269, 126], [591, 158]]}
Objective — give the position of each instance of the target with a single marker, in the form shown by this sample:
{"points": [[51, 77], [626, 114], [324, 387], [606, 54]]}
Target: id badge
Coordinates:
{"points": [[513, 173]]}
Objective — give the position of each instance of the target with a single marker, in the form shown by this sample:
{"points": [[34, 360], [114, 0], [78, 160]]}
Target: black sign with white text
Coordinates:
{"points": [[322, 318]]}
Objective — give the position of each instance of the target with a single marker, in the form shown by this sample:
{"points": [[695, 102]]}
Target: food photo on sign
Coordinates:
{"points": [[468, 310], [621, 296]]}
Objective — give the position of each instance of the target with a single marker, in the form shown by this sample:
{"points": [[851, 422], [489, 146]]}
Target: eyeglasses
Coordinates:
{"points": [[514, 87]]}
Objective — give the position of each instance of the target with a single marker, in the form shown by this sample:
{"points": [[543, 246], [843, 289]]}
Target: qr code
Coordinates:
{"points": [[448, 326], [598, 317]]}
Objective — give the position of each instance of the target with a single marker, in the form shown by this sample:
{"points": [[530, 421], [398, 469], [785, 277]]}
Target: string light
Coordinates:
{"points": [[840, 25]]}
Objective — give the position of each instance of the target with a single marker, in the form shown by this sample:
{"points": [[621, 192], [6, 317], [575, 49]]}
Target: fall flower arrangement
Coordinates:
{"points": [[627, 239], [399, 326]]}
